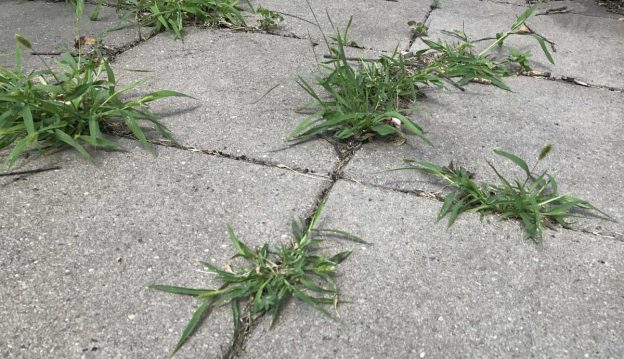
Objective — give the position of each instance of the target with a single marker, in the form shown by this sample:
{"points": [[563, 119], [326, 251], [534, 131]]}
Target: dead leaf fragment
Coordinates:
{"points": [[85, 41], [523, 30]]}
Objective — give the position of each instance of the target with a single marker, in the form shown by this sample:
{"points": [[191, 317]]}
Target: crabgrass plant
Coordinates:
{"points": [[459, 61], [363, 98], [360, 99], [271, 277], [534, 200], [47, 110], [174, 15]]}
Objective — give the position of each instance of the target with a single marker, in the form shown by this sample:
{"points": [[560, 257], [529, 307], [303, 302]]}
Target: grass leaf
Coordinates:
{"points": [[517, 160], [193, 324]]}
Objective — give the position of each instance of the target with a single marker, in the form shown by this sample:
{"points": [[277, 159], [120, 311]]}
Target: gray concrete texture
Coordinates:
{"points": [[475, 290], [599, 61], [228, 73], [51, 27], [465, 127], [378, 25], [80, 245]]}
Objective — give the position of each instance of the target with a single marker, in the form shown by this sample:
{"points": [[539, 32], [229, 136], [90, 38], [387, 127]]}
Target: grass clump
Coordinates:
{"points": [[174, 15], [360, 99], [534, 200], [459, 61], [72, 107], [271, 277], [361, 102]]}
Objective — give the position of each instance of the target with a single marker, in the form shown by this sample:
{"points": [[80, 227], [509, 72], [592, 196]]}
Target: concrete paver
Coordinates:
{"points": [[227, 73], [598, 61], [475, 290], [466, 127], [79, 246]]}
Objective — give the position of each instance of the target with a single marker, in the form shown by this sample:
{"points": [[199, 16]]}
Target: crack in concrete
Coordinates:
{"points": [[611, 235], [113, 52], [243, 158], [247, 325], [573, 81]]}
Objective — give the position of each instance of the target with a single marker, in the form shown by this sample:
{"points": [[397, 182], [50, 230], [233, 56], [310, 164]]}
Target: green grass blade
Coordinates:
{"points": [[28, 120], [191, 327], [342, 235], [64, 137], [157, 95], [542, 44], [517, 160], [179, 290], [448, 201], [235, 315], [241, 248]]}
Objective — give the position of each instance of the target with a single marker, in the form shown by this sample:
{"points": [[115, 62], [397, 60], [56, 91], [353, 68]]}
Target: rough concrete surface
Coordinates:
{"points": [[369, 29], [51, 28], [228, 73], [598, 61], [465, 127], [80, 244], [473, 291]]}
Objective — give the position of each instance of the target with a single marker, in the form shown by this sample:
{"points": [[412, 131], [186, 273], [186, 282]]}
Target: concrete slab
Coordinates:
{"points": [[583, 124], [227, 73], [369, 29], [476, 290], [51, 27], [588, 39], [79, 246]]}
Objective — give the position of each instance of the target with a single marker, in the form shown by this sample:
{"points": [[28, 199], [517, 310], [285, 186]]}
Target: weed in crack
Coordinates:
{"points": [[458, 60], [362, 102], [535, 200], [174, 15], [49, 109], [366, 98], [272, 276], [417, 28]]}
